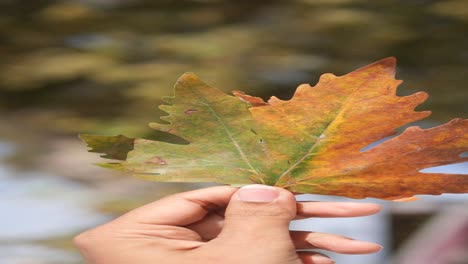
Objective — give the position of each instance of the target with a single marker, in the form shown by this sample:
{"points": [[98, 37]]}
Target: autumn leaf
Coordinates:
{"points": [[316, 142]]}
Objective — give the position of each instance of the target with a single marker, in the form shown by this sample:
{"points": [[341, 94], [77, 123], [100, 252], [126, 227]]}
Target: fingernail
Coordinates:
{"points": [[371, 247], [257, 193], [319, 259]]}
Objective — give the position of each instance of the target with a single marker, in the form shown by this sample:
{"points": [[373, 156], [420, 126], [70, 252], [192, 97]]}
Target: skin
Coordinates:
{"points": [[222, 225]]}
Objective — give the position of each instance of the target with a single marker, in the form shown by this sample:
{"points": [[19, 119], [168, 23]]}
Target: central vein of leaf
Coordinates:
{"points": [[311, 149], [229, 134], [323, 135]]}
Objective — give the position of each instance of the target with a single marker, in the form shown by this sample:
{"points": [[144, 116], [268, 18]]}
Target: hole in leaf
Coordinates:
{"points": [[421, 124], [374, 144], [455, 168]]}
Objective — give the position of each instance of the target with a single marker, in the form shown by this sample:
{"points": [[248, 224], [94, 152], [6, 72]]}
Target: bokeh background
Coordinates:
{"points": [[102, 66]]}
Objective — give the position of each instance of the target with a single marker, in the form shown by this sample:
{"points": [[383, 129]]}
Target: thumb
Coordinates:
{"points": [[259, 212]]}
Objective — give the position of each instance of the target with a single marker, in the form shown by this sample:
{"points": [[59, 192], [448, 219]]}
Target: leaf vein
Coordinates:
{"points": [[228, 132], [342, 109]]}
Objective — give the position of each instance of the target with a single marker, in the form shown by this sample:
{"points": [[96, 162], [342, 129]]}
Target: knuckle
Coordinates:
{"points": [[88, 238], [264, 210], [82, 240]]}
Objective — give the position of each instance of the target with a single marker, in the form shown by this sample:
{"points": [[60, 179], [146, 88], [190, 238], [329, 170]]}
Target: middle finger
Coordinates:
{"points": [[335, 209]]}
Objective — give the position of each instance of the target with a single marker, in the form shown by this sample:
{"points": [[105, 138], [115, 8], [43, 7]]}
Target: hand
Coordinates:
{"points": [[222, 225]]}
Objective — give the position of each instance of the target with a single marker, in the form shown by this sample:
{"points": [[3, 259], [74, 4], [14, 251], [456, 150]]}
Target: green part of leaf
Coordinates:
{"points": [[222, 146], [112, 147]]}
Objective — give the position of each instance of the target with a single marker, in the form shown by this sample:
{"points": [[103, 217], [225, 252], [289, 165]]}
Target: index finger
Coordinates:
{"points": [[183, 208], [335, 209]]}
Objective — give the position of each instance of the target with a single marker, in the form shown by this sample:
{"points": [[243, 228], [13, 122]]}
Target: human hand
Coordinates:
{"points": [[222, 225]]}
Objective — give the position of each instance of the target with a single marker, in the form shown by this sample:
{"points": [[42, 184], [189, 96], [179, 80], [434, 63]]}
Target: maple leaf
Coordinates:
{"points": [[316, 142]]}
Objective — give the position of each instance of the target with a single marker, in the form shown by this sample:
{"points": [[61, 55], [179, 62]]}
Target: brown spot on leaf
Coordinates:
{"points": [[190, 111], [156, 160], [252, 100]]}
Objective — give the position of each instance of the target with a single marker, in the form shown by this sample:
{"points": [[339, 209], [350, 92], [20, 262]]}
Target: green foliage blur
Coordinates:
{"points": [[102, 66]]}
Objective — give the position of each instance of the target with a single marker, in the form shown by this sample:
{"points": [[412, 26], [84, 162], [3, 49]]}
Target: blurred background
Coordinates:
{"points": [[101, 67]]}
